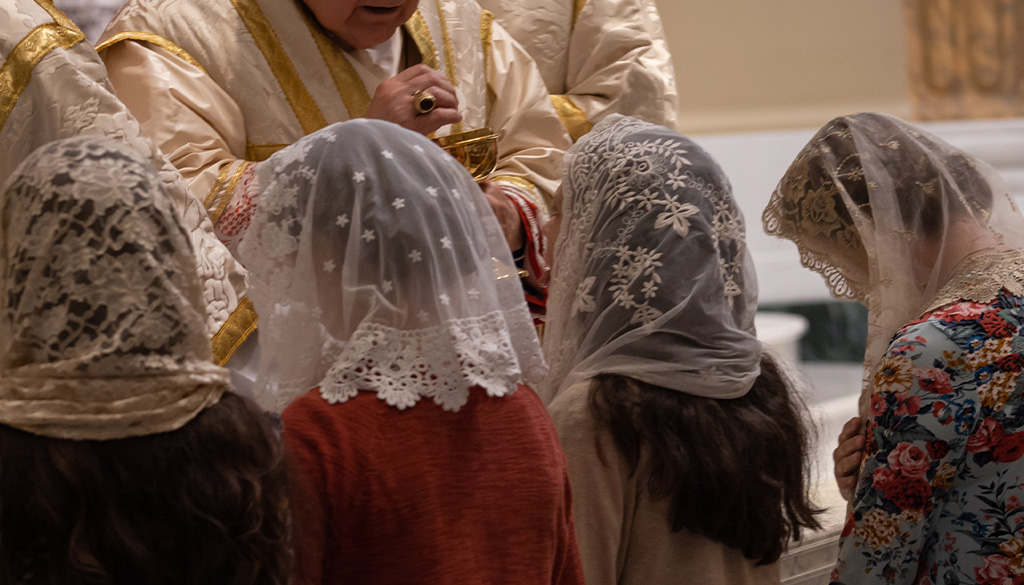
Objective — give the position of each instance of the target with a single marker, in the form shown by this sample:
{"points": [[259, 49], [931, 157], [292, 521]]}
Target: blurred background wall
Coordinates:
{"points": [[747, 66]]}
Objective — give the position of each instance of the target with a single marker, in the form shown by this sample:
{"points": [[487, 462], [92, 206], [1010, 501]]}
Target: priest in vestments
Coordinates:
{"points": [[222, 85], [597, 57], [54, 86]]}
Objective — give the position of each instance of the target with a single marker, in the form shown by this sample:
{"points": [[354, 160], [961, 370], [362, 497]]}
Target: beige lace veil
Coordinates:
{"points": [[651, 276], [377, 266], [102, 333], [888, 214]]}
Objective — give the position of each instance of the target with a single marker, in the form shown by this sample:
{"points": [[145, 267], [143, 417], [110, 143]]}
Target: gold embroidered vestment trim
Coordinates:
{"points": [[303, 105], [219, 197], [573, 118], [346, 80], [486, 33], [520, 182], [153, 39], [234, 332], [16, 72]]}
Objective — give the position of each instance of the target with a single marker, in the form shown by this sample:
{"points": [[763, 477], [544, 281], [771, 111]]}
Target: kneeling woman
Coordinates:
{"points": [[385, 285], [686, 448]]}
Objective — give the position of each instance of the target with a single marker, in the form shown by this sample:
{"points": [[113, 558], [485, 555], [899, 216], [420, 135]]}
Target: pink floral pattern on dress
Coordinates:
{"points": [[940, 500]]}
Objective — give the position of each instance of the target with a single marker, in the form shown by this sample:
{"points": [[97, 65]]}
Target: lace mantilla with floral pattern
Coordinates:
{"points": [[102, 329]]}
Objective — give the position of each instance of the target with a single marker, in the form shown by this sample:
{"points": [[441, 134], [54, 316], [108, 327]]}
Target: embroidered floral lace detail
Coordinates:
{"points": [[637, 176], [405, 366], [103, 335], [803, 213], [981, 279], [644, 175], [637, 198]]}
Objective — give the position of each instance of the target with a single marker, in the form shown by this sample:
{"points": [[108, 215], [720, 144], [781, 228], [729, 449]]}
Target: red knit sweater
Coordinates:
{"points": [[478, 496]]}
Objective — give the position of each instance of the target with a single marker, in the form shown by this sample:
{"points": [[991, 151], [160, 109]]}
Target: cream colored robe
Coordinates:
{"points": [[597, 57], [221, 84], [55, 86], [624, 537]]}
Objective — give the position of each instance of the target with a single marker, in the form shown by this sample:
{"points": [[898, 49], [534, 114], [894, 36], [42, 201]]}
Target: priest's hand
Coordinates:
{"points": [[507, 214], [847, 457], [419, 99]]}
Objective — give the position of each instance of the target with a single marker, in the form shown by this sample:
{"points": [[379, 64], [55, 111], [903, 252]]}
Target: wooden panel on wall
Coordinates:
{"points": [[966, 58]]}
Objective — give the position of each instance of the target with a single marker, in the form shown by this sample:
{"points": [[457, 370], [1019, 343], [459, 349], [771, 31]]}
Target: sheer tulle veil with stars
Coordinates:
{"points": [[376, 265]]}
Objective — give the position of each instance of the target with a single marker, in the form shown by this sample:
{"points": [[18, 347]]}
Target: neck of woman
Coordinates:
{"points": [[963, 242]]}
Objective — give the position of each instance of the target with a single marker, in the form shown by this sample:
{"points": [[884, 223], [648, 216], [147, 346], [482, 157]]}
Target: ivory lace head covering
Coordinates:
{"points": [[651, 277], [102, 333], [886, 212], [377, 266]]}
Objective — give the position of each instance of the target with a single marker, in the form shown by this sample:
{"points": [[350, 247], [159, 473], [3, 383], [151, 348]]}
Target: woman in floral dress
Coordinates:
{"points": [[930, 240]]}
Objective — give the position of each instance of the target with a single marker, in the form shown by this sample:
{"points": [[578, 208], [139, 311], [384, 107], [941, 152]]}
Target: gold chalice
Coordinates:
{"points": [[477, 150]]}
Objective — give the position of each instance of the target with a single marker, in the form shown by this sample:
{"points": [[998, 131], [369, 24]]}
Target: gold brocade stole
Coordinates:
{"points": [[573, 117], [349, 86], [347, 82], [16, 72]]}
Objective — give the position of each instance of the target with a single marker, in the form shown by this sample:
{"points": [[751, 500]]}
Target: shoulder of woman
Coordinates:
{"points": [[574, 420], [572, 405], [919, 334], [311, 419], [960, 327]]}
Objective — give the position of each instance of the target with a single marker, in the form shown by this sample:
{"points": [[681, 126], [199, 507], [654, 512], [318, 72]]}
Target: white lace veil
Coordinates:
{"points": [[887, 213], [102, 332], [651, 277], [376, 265]]}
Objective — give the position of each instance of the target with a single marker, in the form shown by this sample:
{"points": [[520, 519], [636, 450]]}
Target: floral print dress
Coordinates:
{"points": [[940, 498]]}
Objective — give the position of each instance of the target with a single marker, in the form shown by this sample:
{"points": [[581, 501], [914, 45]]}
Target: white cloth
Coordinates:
{"points": [[60, 89], [101, 329], [190, 69], [651, 279], [378, 63], [886, 213], [597, 57], [378, 266]]}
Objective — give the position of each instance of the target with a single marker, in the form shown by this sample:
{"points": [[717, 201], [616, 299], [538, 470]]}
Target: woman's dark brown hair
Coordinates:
{"points": [[205, 505], [736, 470]]}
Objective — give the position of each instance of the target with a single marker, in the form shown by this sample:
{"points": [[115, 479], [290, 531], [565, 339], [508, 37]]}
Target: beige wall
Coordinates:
{"points": [[767, 64]]}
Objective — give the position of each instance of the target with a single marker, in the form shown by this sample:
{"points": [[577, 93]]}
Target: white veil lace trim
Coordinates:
{"points": [[409, 365]]}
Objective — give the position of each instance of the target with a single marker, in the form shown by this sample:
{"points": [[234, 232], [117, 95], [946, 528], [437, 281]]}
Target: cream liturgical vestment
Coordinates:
{"points": [[597, 57], [224, 84], [53, 85]]}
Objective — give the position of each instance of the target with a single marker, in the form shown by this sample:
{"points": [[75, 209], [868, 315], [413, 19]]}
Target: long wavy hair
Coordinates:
{"points": [[736, 470], [202, 505]]}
